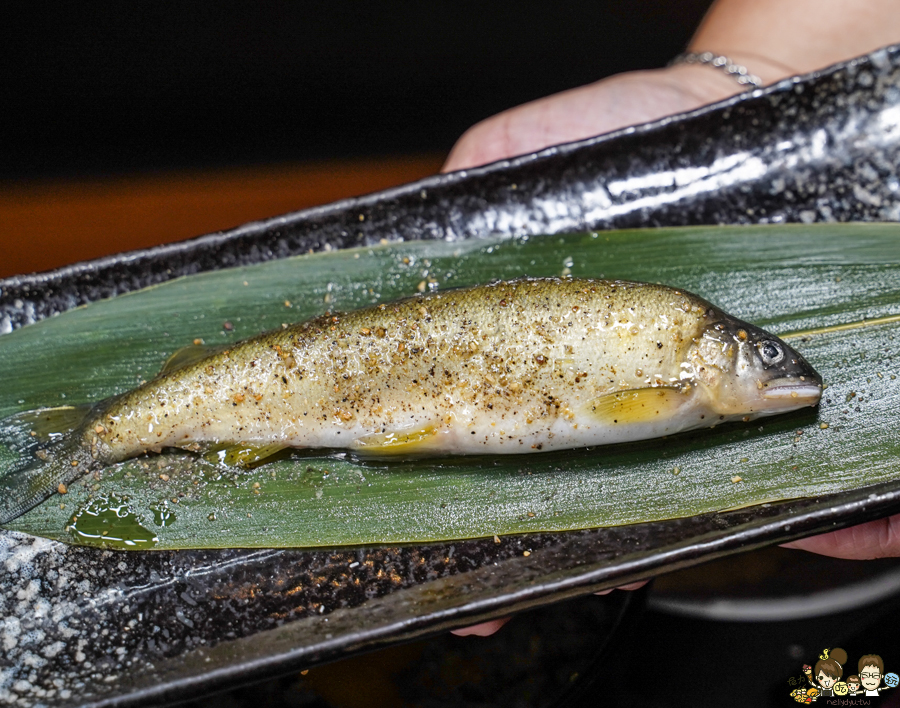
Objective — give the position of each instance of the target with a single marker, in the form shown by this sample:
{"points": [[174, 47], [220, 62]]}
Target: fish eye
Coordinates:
{"points": [[770, 352]]}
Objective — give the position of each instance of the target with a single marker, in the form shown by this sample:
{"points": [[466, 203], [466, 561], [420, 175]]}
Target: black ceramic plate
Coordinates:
{"points": [[84, 626]]}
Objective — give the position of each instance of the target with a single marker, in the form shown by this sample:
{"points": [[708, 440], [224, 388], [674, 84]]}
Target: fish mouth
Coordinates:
{"points": [[800, 392]]}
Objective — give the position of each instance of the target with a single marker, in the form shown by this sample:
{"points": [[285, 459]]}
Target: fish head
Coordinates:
{"points": [[747, 372]]}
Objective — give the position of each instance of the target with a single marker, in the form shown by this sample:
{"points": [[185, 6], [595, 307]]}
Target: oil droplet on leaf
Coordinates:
{"points": [[163, 515], [110, 522]]}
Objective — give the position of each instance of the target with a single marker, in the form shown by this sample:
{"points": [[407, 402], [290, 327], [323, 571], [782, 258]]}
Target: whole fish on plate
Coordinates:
{"points": [[511, 367]]}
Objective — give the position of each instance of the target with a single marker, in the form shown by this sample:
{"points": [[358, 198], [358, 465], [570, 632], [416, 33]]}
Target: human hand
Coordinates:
{"points": [[772, 38], [874, 539], [485, 629], [616, 102]]}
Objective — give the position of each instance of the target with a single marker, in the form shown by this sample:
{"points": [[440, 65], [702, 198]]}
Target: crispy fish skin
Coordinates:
{"points": [[511, 367]]}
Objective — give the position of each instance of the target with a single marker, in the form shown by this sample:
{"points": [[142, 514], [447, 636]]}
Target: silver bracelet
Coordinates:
{"points": [[718, 61]]}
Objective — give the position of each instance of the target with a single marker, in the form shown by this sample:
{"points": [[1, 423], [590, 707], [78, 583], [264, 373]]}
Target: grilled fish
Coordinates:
{"points": [[511, 367]]}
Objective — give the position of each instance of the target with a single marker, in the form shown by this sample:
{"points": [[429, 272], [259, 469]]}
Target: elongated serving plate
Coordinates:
{"points": [[81, 626]]}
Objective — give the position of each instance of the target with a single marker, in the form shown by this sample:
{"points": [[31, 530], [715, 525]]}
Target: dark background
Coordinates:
{"points": [[108, 88]]}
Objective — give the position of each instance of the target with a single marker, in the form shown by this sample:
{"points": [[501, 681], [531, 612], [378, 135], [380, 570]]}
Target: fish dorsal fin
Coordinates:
{"points": [[637, 405], [242, 454], [398, 442], [188, 355]]}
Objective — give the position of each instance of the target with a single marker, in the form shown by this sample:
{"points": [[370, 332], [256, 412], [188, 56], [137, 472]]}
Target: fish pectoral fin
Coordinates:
{"points": [[637, 405], [242, 454], [400, 442], [188, 355]]}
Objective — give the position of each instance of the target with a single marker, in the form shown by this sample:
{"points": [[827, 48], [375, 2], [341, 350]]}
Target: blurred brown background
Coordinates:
{"points": [[45, 225], [125, 126]]}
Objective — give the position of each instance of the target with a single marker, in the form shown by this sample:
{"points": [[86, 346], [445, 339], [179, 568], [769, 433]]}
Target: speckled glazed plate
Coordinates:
{"points": [[82, 626]]}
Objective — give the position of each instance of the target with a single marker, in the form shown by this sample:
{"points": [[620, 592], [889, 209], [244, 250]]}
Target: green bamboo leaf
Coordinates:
{"points": [[833, 291]]}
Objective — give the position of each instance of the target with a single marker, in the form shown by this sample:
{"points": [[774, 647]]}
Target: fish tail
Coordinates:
{"points": [[51, 450]]}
